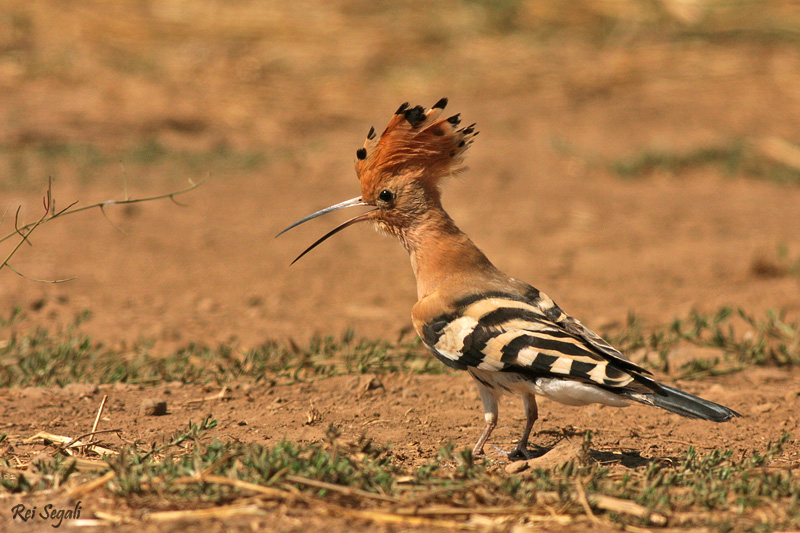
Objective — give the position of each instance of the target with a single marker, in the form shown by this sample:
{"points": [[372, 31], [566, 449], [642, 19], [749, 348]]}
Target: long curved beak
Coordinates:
{"points": [[349, 203]]}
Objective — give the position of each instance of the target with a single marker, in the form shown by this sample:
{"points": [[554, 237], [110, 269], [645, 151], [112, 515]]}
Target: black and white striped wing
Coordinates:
{"points": [[530, 335]]}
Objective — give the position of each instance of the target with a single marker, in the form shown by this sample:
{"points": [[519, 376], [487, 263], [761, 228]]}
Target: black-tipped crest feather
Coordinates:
{"points": [[415, 116]]}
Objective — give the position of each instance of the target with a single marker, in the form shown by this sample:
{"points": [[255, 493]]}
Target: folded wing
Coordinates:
{"points": [[532, 336]]}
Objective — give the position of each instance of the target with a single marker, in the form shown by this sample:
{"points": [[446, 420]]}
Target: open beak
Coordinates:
{"points": [[349, 203]]}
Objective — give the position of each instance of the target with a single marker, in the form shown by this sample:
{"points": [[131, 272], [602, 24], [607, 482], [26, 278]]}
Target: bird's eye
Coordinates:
{"points": [[386, 195]]}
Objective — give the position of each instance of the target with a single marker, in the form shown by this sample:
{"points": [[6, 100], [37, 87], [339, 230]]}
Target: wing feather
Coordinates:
{"points": [[529, 335]]}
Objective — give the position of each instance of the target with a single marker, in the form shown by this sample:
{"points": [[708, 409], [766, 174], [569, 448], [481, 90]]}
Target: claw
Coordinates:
{"points": [[520, 454]]}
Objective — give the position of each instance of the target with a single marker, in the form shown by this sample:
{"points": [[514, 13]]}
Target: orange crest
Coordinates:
{"points": [[414, 143]]}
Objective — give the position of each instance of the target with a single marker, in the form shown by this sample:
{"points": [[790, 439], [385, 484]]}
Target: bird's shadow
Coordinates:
{"points": [[627, 459], [565, 447]]}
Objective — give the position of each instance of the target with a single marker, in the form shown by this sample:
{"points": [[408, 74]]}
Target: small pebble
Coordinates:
{"points": [[516, 467], [151, 407]]}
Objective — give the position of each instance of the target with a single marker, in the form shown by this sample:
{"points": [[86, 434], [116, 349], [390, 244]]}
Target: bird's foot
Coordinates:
{"points": [[520, 454], [517, 454]]}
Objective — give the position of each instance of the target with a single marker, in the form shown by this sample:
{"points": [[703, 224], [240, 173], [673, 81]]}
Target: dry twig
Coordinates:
{"points": [[270, 492], [97, 418], [24, 231], [347, 491], [67, 443], [221, 395], [221, 512], [618, 505], [382, 517], [584, 501], [82, 490]]}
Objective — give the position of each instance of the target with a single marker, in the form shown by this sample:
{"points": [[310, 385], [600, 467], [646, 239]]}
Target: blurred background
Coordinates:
{"points": [[635, 157]]}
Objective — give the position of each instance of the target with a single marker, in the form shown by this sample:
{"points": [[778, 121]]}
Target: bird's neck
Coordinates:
{"points": [[442, 254]]}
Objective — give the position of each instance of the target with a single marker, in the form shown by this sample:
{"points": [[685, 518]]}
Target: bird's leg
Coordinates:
{"points": [[489, 413], [531, 414]]}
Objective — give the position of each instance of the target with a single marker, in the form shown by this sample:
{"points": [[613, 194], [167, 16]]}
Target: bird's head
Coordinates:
{"points": [[400, 171]]}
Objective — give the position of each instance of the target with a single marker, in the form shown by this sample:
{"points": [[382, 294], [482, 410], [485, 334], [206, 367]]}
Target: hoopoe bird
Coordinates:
{"points": [[509, 336]]}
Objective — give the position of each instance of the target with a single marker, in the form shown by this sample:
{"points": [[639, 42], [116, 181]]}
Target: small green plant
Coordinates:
{"points": [[40, 358], [44, 472], [727, 157], [736, 157], [89, 161], [162, 473], [742, 340], [768, 341]]}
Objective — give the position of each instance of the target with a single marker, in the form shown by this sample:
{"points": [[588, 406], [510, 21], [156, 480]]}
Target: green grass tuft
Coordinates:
{"points": [[742, 339], [40, 358], [734, 158], [143, 478], [29, 164]]}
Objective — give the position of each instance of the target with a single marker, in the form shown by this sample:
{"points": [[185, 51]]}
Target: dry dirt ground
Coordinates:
{"points": [[416, 415], [269, 103]]}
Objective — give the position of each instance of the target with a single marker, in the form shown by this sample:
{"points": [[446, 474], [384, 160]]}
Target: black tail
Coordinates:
{"points": [[684, 404]]}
